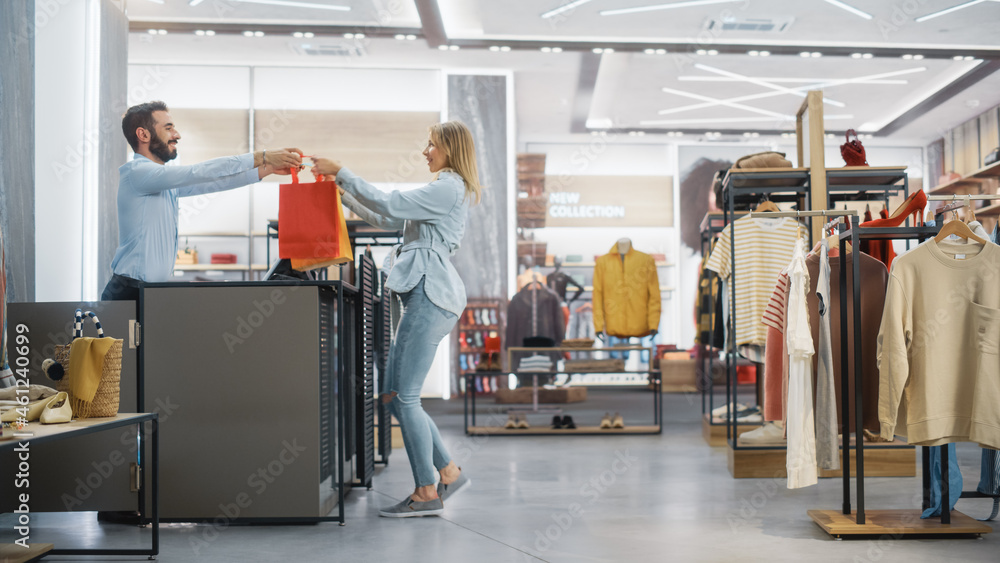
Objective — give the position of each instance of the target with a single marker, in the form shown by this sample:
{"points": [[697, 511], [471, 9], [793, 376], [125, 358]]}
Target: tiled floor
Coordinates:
{"points": [[580, 499]]}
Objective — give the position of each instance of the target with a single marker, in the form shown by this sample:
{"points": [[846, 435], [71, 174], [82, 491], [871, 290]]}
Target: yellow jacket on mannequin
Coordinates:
{"points": [[626, 294]]}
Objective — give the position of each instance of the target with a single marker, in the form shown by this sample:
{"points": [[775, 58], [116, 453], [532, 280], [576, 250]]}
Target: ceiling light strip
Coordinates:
{"points": [[849, 8], [727, 103], [792, 91], [922, 19], [564, 8], [293, 4], [779, 80], [666, 7]]}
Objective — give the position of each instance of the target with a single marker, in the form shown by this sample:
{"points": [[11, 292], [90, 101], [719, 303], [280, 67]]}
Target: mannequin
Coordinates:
{"points": [[529, 274], [624, 246], [558, 281]]}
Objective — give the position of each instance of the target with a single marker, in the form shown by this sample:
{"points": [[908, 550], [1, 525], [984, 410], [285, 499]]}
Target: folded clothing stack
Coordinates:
{"points": [[536, 363], [591, 366], [744, 414]]}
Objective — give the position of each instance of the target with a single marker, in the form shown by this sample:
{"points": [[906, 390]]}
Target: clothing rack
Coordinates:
{"points": [[894, 522]]}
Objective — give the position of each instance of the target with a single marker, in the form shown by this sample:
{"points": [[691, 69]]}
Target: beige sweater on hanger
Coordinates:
{"points": [[939, 345]]}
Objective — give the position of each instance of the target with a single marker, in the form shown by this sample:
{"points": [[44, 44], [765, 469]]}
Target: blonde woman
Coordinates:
{"points": [[433, 221]]}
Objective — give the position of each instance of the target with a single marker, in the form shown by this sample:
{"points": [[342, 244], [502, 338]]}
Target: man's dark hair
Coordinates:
{"points": [[140, 116]]}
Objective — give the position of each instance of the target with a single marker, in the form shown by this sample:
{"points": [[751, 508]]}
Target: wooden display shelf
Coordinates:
{"points": [[905, 522], [991, 171], [766, 461], [767, 177], [865, 175], [549, 431], [715, 434], [13, 553], [956, 186], [988, 211]]}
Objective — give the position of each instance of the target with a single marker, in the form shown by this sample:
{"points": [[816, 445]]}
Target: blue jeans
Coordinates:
{"points": [[422, 326]]}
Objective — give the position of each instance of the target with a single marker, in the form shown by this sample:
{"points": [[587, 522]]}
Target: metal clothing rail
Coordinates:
{"points": [[814, 213], [853, 236]]}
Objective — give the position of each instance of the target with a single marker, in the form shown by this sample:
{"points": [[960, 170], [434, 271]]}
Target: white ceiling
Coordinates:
{"points": [[629, 90]]}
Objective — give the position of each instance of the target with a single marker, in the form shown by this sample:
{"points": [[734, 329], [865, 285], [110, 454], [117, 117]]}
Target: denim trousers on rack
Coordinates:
{"points": [[422, 326]]}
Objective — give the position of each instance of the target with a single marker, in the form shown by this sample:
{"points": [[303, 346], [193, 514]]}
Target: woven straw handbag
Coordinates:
{"points": [[105, 401]]}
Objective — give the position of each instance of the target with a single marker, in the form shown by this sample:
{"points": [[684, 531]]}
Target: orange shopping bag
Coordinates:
{"points": [[312, 231]]}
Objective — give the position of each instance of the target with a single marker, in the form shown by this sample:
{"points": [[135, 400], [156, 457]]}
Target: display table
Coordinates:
{"points": [[35, 432]]}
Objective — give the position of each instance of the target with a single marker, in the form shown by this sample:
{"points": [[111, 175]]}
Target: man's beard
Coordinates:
{"points": [[162, 150]]}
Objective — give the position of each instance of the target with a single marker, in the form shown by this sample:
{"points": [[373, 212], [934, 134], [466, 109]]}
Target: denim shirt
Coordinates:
{"points": [[433, 222], [148, 208]]}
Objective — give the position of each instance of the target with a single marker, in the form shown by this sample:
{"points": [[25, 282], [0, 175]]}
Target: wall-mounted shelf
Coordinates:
{"points": [[969, 181]]}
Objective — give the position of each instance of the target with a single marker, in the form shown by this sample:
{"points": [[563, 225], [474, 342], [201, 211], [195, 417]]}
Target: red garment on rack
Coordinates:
{"points": [[878, 249]]}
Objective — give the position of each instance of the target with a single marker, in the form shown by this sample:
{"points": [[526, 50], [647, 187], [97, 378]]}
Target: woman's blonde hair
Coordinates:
{"points": [[455, 139]]}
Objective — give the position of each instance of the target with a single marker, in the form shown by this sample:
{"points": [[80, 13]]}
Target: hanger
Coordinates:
{"points": [[972, 212], [585, 307], [959, 229], [766, 205]]}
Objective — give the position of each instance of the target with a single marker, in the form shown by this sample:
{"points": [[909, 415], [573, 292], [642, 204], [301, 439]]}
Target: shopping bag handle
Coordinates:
{"points": [[295, 176], [78, 324]]}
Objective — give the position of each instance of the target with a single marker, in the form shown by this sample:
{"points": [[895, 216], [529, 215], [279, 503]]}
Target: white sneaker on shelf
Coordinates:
{"points": [[722, 412], [769, 433]]}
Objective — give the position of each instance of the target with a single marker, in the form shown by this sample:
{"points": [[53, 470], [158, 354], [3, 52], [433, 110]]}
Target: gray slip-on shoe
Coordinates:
{"points": [[446, 492], [410, 508]]}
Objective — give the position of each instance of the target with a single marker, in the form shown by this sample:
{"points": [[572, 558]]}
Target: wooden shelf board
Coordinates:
{"points": [[876, 175], [896, 523], [956, 186], [991, 171], [13, 553], [741, 177], [549, 431], [989, 211]]}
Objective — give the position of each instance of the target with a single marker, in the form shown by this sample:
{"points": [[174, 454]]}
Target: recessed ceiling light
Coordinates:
{"points": [[594, 133], [209, 32], [864, 56], [830, 136], [712, 52], [161, 32], [597, 50], [442, 47], [642, 133], [853, 55], [765, 53], [701, 52], [557, 49], [258, 34], [348, 36], [411, 37], [747, 135], [632, 133], [649, 51], [504, 48], [399, 37], [453, 47], [817, 55], [247, 34], [298, 35], [609, 50], [564, 8], [359, 35], [967, 57], [661, 51], [753, 53], [308, 34], [199, 32], [804, 54], [546, 49], [918, 57], [957, 57], [494, 48], [907, 57]]}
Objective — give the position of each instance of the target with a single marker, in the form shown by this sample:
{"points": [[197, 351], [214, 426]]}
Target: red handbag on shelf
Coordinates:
{"points": [[853, 151], [312, 230]]}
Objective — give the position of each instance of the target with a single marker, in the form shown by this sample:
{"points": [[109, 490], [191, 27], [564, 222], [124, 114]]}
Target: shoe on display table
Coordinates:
{"points": [[769, 433]]}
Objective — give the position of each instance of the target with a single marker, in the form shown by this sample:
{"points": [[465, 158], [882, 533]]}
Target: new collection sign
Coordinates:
{"points": [[609, 201]]}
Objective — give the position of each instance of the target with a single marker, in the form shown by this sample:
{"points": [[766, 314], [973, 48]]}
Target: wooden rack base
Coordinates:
{"points": [[14, 553], [769, 462], [549, 431], [715, 434], [895, 523]]}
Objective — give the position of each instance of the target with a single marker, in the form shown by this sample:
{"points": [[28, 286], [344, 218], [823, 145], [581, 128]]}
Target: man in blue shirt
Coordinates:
{"points": [[148, 192]]}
